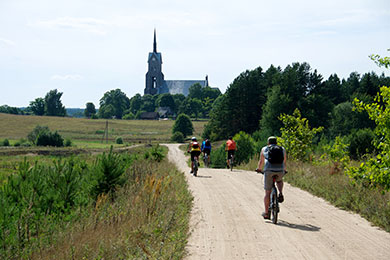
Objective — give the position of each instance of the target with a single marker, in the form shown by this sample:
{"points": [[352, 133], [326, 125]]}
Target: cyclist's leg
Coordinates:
{"points": [[192, 161], [268, 181], [267, 201]]}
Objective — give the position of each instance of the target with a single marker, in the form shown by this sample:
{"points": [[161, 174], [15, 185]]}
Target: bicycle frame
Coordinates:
{"points": [[274, 203]]}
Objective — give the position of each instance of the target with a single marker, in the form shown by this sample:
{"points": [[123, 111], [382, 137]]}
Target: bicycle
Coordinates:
{"points": [[231, 162], [196, 165], [206, 160], [273, 208]]}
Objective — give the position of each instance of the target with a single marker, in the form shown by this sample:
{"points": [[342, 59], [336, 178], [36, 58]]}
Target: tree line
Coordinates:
{"points": [[256, 98]]}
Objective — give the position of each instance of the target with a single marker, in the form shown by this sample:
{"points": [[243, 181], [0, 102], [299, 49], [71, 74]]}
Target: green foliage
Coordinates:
{"points": [[68, 142], [113, 103], [375, 172], [337, 154], [109, 169], [245, 147], [129, 116], [177, 137], [89, 110], [119, 140], [53, 104], [361, 142], [297, 136], [38, 106], [38, 130], [218, 157], [183, 124], [11, 110], [5, 142], [385, 61], [49, 139]]}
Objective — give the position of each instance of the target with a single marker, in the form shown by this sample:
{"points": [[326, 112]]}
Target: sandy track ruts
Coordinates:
{"points": [[226, 221]]}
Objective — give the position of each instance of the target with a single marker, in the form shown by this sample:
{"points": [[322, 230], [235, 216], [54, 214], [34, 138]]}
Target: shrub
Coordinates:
{"points": [[38, 130], [68, 142], [218, 157], [5, 142], [50, 139], [297, 137], [245, 148], [184, 125], [119, 140], [337, 154], [129, 116], [360, 142], [177, 137]]}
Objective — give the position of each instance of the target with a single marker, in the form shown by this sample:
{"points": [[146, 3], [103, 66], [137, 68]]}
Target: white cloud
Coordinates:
{"points": [[7, 42], [66, 77]]}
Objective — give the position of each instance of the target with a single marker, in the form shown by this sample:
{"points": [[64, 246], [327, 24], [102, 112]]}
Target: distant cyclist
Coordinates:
{"points": [[273, 159], [206, 149], [194, 149], [231, 148]]}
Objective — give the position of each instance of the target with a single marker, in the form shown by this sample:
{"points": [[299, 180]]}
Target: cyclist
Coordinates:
{"points": [[206, 149], [195, 151], [273, 159], [230, 147]]}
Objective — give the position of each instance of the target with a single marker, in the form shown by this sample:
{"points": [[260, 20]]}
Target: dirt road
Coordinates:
{"points": [[226, 221]]}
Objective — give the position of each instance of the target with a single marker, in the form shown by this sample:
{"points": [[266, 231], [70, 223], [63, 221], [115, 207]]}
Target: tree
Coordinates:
{"points": [[90, 110], [135, 103], [183, 124], [195, 91], [117, 99], [375, 172], [38, 106], [53, 104], [107, 111], [297, 136], [148, 103], [166, 100]]}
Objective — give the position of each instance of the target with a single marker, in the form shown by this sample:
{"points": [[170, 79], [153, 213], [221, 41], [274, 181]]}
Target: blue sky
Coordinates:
{"points": [[86, 48]]}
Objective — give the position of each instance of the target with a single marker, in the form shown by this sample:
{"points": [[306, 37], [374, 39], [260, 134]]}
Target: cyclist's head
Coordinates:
{"points": [[230, 137], [193, 138], [272, 140]]}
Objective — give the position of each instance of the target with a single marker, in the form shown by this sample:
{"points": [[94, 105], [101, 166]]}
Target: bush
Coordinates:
{"points": [[38, 130], [360, 142], [50, 139], [5, 142], [184, 125], [218, 157], [177, 137], [119, 140], [245, 148], [129, 116], [68, 142]]}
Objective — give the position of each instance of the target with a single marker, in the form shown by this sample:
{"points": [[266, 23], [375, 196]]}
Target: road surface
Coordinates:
{"points": [[226, 221]]}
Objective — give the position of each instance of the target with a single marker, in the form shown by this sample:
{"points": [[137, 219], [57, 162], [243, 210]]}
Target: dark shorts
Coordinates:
{"points": [[230, 154], [194, 154], [206, 151]]}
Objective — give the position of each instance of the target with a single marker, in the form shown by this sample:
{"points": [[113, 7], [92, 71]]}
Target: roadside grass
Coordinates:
{"points": [[149, 219], [338, 189], [15, 127]]}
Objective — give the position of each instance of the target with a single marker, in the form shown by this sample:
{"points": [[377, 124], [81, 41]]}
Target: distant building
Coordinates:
{"points": [[155, 82], [149, 116]]}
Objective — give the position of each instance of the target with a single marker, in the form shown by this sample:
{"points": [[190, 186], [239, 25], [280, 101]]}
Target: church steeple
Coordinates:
{"points": [[155, 42]]}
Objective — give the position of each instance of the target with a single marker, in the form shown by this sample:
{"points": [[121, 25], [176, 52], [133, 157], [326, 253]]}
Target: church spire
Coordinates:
{"points": [[155, 42]]}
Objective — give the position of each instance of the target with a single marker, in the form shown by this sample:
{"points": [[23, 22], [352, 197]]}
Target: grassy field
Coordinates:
{"points": [[87, 132]]}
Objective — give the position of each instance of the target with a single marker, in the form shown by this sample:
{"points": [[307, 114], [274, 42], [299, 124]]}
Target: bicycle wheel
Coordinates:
{"points": [[195, 167], [206, 161], [274, 205]]}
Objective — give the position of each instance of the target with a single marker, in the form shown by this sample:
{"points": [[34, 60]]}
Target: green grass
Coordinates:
{"points": [[15, 127]]}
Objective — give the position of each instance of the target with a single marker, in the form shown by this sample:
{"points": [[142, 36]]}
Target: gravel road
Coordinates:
{"points": [[226, 221]]}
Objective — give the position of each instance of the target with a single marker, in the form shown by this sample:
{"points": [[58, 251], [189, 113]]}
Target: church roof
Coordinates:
{"points": [[179, 86]]}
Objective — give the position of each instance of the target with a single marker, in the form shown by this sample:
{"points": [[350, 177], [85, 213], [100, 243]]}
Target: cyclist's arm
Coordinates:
{"points": [[189, 148], [261, 161]]}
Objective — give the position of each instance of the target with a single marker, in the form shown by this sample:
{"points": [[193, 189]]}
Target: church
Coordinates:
{"points": [[155, 82]]}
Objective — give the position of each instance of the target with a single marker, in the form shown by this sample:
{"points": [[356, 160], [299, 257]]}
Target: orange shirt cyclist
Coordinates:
{"points": [[230, 147]]}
